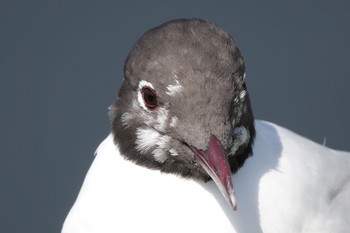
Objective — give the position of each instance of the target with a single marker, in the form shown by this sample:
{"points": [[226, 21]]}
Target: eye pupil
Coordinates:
{"points": [[149, 97]]}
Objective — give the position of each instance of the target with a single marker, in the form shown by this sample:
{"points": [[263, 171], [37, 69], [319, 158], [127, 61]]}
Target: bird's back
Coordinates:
{"points": [[304, 186]]}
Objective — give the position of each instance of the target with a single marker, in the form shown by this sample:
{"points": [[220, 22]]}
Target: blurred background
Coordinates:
{"points": [[61, 66]]}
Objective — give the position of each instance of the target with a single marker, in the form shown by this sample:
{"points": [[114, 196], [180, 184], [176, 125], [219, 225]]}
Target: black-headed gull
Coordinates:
{"points": [[186, 155]]}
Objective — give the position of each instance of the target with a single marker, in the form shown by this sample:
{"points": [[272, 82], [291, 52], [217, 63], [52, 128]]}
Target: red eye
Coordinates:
{"points": [[149, 97]]}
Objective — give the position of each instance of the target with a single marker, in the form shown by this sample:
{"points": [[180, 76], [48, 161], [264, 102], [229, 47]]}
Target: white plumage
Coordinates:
{"points": [[290, 184]]}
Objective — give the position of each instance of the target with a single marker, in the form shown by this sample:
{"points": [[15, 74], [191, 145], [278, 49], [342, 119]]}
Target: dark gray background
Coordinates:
{"points": [[61, 66]]}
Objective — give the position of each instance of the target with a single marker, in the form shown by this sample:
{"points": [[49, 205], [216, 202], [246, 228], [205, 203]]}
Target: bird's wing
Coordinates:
{"points": [[305, 185]]}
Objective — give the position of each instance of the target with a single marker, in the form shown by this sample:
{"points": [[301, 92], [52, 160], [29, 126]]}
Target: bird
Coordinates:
{"points": [[185, 153]]}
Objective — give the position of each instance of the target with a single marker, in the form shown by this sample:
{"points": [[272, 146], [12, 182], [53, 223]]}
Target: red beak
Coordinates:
{"points": [[215, 163]]}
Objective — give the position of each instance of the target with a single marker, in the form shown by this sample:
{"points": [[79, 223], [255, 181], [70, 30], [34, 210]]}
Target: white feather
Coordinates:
{"points": [[289, 185], [174, 89], [146, 138]]}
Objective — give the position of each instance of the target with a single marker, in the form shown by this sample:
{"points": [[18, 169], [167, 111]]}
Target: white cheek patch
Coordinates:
{"points": [[174, 89], [148, 139], [241, 136], [160, 152], [143, 84]]}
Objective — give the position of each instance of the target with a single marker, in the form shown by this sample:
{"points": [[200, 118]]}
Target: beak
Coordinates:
{"points": [[215, 163]]}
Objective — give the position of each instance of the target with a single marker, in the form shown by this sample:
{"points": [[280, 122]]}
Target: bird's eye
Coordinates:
{"points": [[149, 97]]}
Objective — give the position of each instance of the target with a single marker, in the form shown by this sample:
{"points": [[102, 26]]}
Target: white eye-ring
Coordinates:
{"points": [[147, 96]]}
